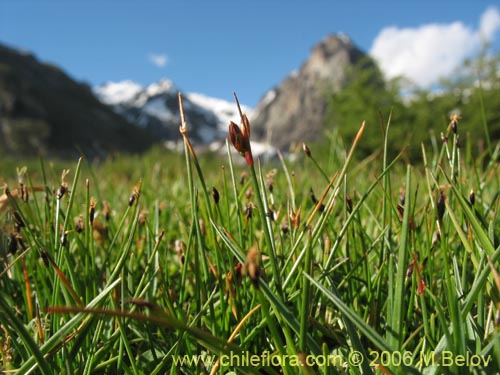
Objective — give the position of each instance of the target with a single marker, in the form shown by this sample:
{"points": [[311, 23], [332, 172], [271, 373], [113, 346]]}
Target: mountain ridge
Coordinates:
{"points": [[54, 112], [155, 107], [44, 111], [294, 110]]}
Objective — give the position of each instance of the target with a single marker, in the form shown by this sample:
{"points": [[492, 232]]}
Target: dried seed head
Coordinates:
{"points": [[472, 197], [401, 211], [252, 266], [80, 224], [62, 190], [243, 177], [215, 195], [134, 196], [440, 205], [230, 284], [348, 201], [410, 268], [22, 188], [306, 150], [295, 218], [64, 238], [18, 220], [179, 249], [13, 242], [24, 192], [106, 210], [143, 216], [238, 272], [249, 193], [92, 205], [270, 179], [100, 231], [454, 122], [444, 138], [249, 211], [285, 227], [402, 196]]}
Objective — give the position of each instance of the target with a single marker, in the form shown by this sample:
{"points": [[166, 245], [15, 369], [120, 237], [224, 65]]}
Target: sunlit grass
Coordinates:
{"points": [[123, 265]]}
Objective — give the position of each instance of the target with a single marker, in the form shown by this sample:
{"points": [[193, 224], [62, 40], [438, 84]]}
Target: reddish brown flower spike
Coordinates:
{"points": [[236, 137], [240, 136]]}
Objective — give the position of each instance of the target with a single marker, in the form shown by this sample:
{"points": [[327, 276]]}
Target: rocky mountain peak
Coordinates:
{"points": [[294, 110]]}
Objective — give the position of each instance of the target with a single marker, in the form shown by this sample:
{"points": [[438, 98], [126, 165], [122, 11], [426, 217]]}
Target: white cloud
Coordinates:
{"points": [[159, 60], [490, 23], [431, 51]]}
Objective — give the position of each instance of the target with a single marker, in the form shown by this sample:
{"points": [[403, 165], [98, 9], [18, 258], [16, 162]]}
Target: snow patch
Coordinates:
{"points": [[156, 108], [113, 93], [224, 110]]}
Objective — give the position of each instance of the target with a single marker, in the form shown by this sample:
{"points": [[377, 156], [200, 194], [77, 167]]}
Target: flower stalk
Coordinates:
{"points": [[240, 138]]}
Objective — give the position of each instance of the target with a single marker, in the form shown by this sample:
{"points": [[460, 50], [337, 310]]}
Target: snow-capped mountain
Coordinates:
{"points": [[155, 108], [113, 93]]}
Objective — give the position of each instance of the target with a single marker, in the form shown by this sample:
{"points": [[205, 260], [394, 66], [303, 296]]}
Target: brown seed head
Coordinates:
{"points": [[106, 210], [252, 266], [295, 218], [444, 139], [92, 205], [472, 197], [249, 211], [18, 220], [143, 216], [79, 224], [454, 122], [306, 150], [134, 196], [440, 205], [63, 188], [215, 195], [270, 176], [179, 249], [348, 201]]}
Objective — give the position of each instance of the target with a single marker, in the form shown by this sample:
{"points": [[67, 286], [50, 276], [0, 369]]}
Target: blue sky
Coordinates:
{"points": [[217, 47]]}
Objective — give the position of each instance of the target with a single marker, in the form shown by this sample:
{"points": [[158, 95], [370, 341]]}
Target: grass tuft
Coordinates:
{"points": [[187, 264]]}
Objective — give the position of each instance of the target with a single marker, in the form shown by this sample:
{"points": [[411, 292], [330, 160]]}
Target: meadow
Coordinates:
{"points": [[187, 264]]}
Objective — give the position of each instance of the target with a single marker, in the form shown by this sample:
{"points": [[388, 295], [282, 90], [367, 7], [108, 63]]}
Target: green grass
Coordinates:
{"points": [[138, 263]]}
